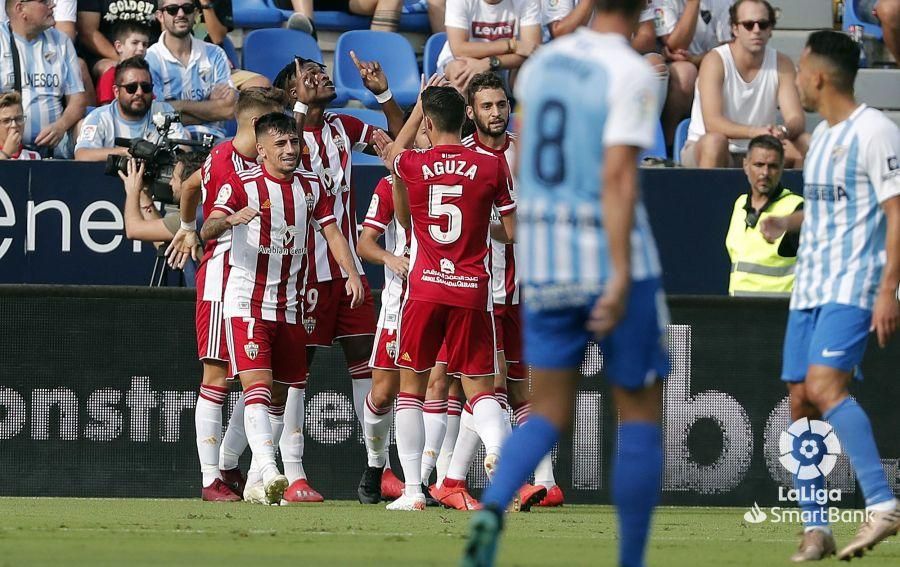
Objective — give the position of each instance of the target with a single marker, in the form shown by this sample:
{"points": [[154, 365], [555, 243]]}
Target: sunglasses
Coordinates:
{"points": [[172, 9], [750, 24], [132, 88]]}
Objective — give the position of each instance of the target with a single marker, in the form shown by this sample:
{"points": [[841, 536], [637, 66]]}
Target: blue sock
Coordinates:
{"points": [[855, 434], [519, 456], [814, 514], [636, 478]]}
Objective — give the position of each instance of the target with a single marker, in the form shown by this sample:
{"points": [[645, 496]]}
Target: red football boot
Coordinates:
{"points": [[218, 491], [528, 496], [391, 486], [234, 478], [553, 498], [301, 491], [455, 496]]}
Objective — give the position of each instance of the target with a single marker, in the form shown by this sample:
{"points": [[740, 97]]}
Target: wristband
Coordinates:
{"points": [[301, 108], [384, 97], [192, 226]]}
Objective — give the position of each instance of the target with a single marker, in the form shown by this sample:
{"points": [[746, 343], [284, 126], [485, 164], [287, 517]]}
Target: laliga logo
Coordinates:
{"points": [[809, 448]]}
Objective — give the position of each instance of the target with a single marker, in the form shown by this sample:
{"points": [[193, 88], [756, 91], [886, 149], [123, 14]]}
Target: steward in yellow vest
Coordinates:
{"points": [[759, 268]]}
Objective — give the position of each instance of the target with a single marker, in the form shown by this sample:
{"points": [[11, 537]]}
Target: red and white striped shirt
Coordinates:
{"points": [[380, 217], [326, 152], [26, 155], [504, 281], [222, 162], [268, 256]]}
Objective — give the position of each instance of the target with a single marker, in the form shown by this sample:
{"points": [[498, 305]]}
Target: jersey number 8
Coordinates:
{"points": [[550, 164]]}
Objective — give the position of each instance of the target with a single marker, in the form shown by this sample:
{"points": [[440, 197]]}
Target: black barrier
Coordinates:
{"points": [[60, 223], [98, 385]]}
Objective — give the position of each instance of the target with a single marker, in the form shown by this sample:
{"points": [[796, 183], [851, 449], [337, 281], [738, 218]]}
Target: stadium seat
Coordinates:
{"points": [[344, 21], [255, 14], [433, 48], [267, 51], [368, 116], [659, 145], [394, 54], [681, 134], [857, 13], [231, 52]]}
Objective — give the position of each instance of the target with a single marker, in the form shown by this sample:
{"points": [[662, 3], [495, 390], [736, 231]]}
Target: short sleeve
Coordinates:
{"points": [[403, 165], [458, 14], [381, 207], [105, 83], [359, 132], [231, 196], [72, 83], [93, 133], [529, 13], [155, 64], [647, 12], [555, 10], [632, 118], [503, 200], [882, 159], [221, 68], [323, 213], [667, 13], [64, 11]]}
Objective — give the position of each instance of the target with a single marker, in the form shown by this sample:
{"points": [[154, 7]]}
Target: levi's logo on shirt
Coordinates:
{"points": [[493, 30]]}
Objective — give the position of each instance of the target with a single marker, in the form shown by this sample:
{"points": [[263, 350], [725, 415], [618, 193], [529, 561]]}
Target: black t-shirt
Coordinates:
{"points": [[115, 11]]}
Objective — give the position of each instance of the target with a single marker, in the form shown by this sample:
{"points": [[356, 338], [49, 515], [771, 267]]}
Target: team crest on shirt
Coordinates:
{"points": [[391, 349], [252, 350], [309, 323], [838, 153], [339, 142], [310, 201], [892, 163], [50, 56], [447, 266]]}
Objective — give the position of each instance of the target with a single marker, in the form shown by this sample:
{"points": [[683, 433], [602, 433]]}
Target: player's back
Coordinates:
{"points": [[579, 95], [452, 190]]}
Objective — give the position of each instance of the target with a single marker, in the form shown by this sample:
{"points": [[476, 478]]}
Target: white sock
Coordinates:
{"points": [[234, 443], [467, 443], [885, 506], [435, 418], [543, 474], [276, 419], [377, 429], [259, 429], [490, 421], [454, 411], [361, 380], [291, 443], [208, 424], [410, 433]]}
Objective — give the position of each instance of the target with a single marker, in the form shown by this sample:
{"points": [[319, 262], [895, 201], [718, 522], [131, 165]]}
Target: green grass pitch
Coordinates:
{"points": [[66, 531]]}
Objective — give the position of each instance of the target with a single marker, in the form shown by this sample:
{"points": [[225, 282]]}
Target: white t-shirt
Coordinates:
{"points": [[713, 24], [488, 22], [63, 11], [555, 10]]}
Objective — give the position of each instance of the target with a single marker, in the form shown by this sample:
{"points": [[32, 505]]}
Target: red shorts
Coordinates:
{"points": [[468, 333], [256, 344], [509, 332], [385, 350], [328, 317], [211, 344]]}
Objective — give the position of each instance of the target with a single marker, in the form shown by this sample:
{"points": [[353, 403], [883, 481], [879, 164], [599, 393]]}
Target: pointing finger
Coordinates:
{"points": [[355, 60]]}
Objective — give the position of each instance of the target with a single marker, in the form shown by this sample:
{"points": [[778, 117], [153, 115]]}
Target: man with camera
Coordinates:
{"points": [[129, 116]]}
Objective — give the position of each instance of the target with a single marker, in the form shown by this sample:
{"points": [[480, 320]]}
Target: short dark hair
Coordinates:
{"points": [[446, 108], [121, 30], [275, 123], [486, 80], [131, 63], [767, 142], [733, 11], [841, 52], [190, 162], [628, 7]]}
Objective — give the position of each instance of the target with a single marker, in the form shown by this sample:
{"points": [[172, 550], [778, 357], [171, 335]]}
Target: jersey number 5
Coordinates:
{"points": [[437, 209]]}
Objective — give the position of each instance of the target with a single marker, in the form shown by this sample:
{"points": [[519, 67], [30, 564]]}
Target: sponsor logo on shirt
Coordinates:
{"points": [[447, 266], [43, 80], [493, 30], [88, 133], [814, 192], [892, 163], [224, 194]]}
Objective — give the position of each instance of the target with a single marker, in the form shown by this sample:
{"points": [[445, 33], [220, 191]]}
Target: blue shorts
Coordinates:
{"points": [[634, 356], [832, 335]]}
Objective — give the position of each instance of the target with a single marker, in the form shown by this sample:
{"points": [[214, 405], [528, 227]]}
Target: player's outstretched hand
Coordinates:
{"points": [[398, 264], [609, 309], [384, 147], [243, 216], [885, 316], [185, 244], [355, 289], [371, 73], [773, 228]]}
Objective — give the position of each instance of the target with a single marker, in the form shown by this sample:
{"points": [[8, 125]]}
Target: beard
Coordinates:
{"points": [[136, 109], [488, 129]]}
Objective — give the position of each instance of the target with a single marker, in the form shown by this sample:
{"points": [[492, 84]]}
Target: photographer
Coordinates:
{"points": [[129, 116]]}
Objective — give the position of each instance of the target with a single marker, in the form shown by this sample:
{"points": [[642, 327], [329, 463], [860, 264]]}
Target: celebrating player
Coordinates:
{"points": [[445, 194], [269, 210], [848, 270], [589, 260]]}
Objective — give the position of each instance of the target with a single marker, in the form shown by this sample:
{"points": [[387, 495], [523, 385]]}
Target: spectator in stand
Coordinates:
{"points": [[190, 74], [888, 13], [219, 20], [488, 35], [12, 123], [96, 22], [742, 85], [437, 12], [130, 40], [385, 13], [688, 29], [63, 11], [41, 65], [129, 116]]}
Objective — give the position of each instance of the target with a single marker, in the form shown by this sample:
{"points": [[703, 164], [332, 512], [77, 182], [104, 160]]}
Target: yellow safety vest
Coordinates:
{"points": [[756, 267]]}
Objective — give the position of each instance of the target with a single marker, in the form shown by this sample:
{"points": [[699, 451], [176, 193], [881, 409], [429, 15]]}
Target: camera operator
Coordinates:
{"points": [[130, 115]]}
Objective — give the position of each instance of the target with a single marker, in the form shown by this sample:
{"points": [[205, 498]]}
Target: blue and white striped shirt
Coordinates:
{"points": [[104, 124], [50, 71], [207, 67], [603, 95], [850, 169]]}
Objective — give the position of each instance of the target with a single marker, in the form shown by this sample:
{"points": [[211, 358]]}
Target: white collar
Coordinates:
{"points": [[196, 50]]}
